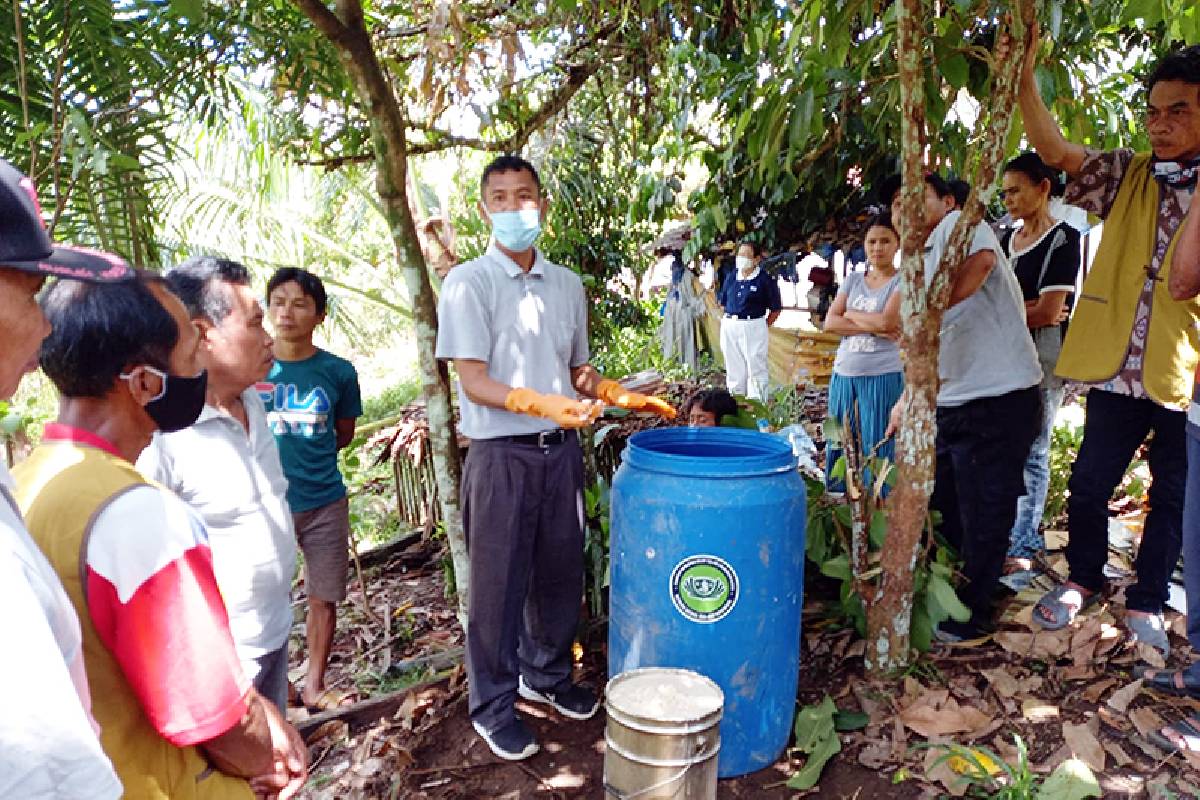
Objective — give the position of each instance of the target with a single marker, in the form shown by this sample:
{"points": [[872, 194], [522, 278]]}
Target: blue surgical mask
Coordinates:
{"points": [[517, 230]]}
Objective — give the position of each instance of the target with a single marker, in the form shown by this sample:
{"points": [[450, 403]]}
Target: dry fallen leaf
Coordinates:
{"points": [[1036, 710], [1094, 691], [935, 713], [1121, 698], [1120, 756], [1146, 720], [1042, 644], [937, 768], [1112, 719], [899, 740], [1002, 681], [875, 755], [1084, 745], [1079, 672], [1151, 655]]}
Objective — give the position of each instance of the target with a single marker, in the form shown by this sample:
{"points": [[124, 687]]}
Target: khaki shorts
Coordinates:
{"points": [[324, 537]]}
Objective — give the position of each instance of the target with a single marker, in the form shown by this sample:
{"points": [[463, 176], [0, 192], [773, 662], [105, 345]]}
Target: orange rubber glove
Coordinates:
{"points": [[615, 394], [563, 410]]}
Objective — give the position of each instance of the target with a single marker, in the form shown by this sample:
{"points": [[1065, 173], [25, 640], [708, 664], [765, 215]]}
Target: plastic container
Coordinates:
{"points": [[707, 548]]}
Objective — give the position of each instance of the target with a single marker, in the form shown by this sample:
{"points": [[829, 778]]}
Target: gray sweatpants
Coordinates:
{"points": [[523, 513]]}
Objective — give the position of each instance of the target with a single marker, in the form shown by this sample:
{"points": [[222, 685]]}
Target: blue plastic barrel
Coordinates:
{"points": [[707, 546]]}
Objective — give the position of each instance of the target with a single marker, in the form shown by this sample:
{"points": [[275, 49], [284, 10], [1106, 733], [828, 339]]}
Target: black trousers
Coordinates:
{"points": [[1114, 429], [523, 513], [981, 451]]}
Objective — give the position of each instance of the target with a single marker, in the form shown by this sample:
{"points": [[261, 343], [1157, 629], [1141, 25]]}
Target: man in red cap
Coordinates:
{"points": [[48, 739]]}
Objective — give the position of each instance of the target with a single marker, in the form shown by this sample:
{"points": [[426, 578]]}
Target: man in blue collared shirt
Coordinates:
{"points": [[751, 301]]}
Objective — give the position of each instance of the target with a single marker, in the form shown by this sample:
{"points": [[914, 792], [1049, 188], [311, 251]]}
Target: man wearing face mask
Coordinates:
{"points": [[752, 303], [227, 467], [515, 326], [179, 717]]}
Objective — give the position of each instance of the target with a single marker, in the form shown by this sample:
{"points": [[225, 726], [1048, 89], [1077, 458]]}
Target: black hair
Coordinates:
{"points": [[755, 247], [961, 191], [891, 184], [1030, 165], [1182, 65], [310, 284], [717, 402], [199, 283], [100, 330], [882, 220], [508, 163]]}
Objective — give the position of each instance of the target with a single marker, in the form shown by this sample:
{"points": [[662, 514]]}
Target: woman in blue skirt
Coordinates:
{"points": [[867, 374]]}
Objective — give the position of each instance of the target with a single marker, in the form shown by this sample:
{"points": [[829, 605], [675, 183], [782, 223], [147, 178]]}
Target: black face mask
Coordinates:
{"points": [[180, 401]]}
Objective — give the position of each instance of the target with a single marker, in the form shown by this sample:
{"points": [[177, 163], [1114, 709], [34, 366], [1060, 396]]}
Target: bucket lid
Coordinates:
{"points": [[664, 694], [709, 452]]}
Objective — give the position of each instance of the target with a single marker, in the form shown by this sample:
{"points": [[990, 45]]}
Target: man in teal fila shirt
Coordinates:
{"points": [[313, 400]]}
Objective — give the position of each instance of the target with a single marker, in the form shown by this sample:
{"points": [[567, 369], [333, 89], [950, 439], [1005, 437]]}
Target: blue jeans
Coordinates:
{"points": [[1191, 540], [1027, 538]]}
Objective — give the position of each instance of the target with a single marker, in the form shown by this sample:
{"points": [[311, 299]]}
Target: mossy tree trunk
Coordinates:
{"points": [[344, 26], [890, 609]]}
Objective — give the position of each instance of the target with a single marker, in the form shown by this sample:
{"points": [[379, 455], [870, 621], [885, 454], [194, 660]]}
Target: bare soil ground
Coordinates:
{"points": [[1064, 694]]}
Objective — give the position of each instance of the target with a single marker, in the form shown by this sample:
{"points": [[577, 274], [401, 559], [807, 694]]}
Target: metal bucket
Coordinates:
{"points": [[662, 736]]}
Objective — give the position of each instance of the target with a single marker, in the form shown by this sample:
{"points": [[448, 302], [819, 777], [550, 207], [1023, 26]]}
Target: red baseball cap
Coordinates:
{"points": [[25, 244]]}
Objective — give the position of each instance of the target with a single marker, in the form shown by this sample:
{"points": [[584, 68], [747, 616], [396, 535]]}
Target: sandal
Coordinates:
{"points": [[1149, 628], [1188, 728], [1062, 604], [1180, 682]]}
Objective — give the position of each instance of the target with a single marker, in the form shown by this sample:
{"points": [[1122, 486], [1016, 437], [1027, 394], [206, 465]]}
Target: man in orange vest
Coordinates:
{"points": [[178, 716], [1130, 340]]}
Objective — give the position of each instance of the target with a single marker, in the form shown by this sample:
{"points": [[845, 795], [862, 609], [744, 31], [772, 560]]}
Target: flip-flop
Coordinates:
{"points": [[1178, 682], [329, 700], [1188, 727], [1061, 612], [1150, 629]]}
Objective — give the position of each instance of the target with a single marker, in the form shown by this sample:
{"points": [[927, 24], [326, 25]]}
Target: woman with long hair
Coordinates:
{"points": [[867, 374], [1044, 252]]}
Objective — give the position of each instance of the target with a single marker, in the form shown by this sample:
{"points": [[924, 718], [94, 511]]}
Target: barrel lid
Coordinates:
{"points": [[709, 452], [664, 694]]}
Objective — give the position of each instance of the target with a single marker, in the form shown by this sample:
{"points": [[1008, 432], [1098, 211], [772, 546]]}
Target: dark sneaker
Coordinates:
{"points": [[513, 742], [577, 702], [952, 632]]}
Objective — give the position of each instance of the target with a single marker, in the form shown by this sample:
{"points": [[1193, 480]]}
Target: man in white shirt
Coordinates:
{"points": [[989, 407], [227, 467], [48, 739]]}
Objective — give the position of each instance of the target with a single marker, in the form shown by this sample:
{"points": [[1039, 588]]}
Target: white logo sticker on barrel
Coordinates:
{"points": [[704, 588]]}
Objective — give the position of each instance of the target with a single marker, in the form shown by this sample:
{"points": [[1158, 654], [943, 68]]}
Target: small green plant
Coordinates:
{"points": [[986, 775], [596, 506], [1064, 449], [847, 532]]}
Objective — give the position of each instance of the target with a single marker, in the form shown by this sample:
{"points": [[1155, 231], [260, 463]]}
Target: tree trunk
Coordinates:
{"points": [[889, 612], [347, 31]]}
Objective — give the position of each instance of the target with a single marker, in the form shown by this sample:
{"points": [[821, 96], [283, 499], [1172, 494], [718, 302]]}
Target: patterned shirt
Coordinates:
{"points": [[1094, 189]]}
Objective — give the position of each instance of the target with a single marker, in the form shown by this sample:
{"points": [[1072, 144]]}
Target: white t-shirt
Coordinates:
{"points": [[236, 481], [49, 744], [986, 349]]}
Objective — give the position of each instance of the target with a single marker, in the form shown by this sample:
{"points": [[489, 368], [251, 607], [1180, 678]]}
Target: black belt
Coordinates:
{"points": [[744, 316], [543, 439]]}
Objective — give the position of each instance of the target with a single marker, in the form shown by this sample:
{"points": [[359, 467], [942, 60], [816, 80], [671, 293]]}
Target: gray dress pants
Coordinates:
{"points": [[523, 514]]}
